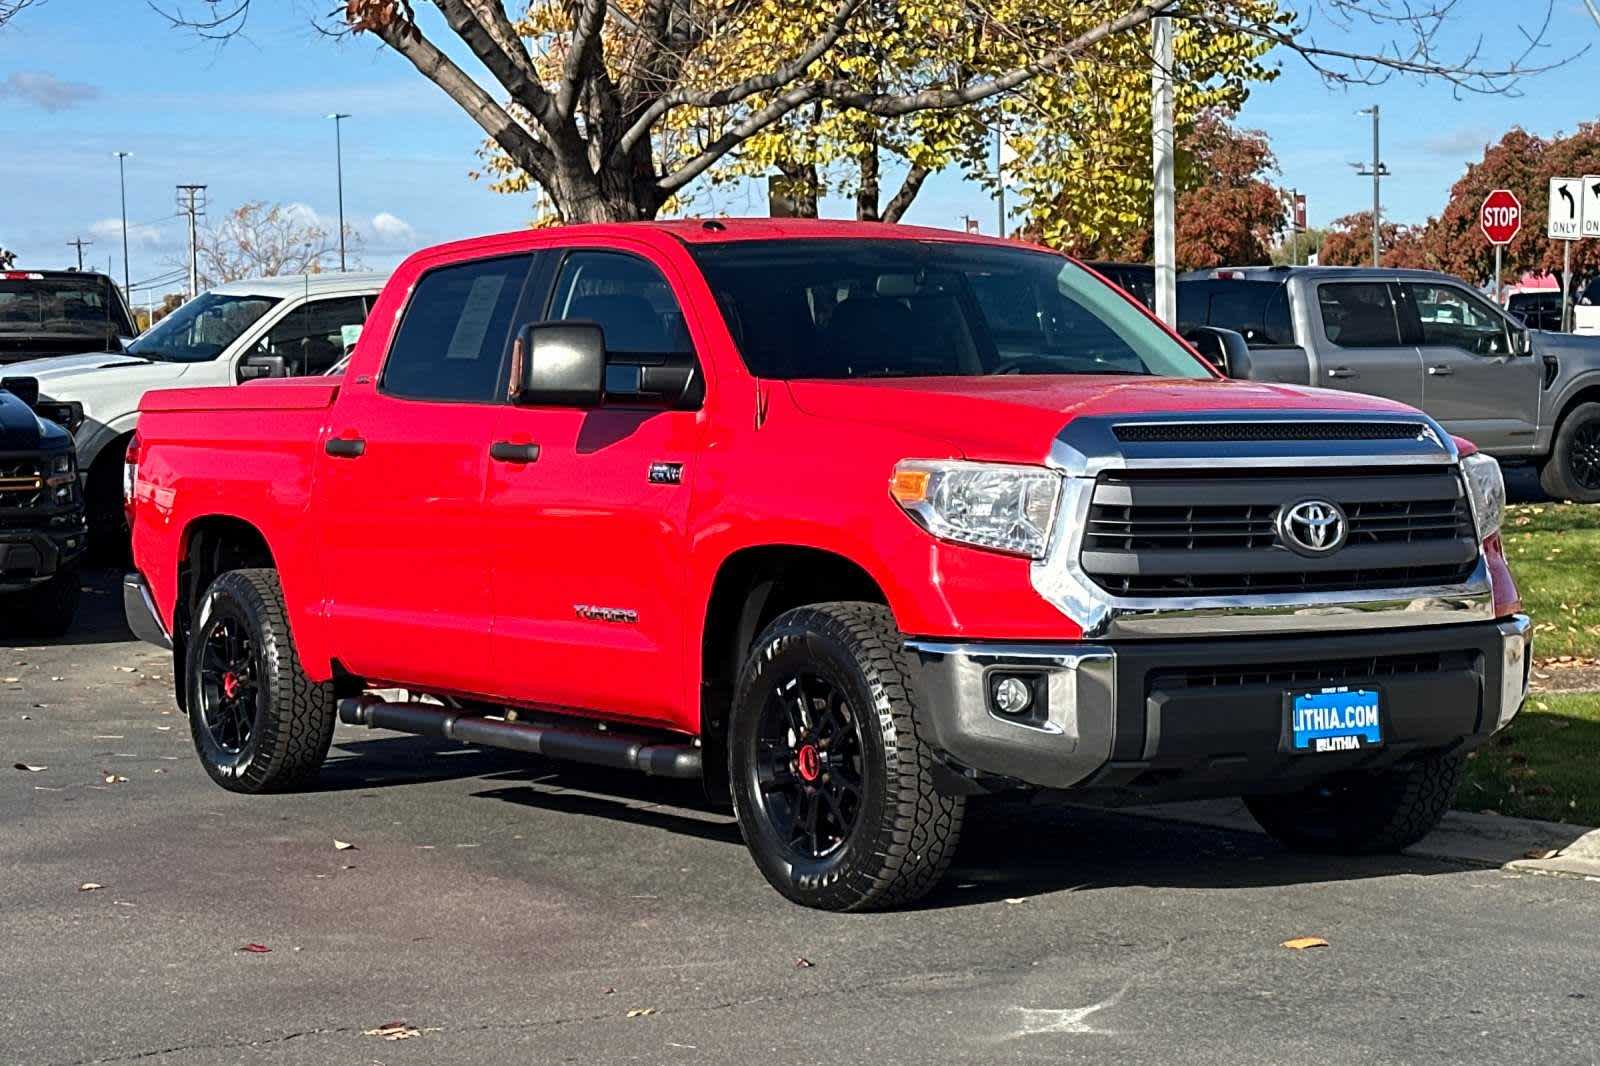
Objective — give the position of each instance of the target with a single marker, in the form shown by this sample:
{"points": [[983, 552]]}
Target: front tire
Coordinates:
{"points": [[832, 785], [1572, 472], [1364, 812], [259, 724]]}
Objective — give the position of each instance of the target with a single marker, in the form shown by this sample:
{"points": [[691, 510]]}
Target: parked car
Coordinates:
{"points": [[42, 534], [266, 327], [1537, 309], [1423, 338], [1136, 279], [1586, 313], [50, 312], [853, 520]]}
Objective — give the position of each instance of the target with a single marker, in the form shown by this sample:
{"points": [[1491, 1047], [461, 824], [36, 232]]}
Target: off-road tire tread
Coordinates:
{"points": [[1405, 805], [921, 829], [1553, 472], [295, 732]]}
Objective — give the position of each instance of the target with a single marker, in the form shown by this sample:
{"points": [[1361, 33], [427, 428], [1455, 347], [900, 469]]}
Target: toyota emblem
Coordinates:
{"points": [[1313, 527]]}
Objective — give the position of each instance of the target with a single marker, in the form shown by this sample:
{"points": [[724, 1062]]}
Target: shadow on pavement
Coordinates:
{"points": [[99, 620]]}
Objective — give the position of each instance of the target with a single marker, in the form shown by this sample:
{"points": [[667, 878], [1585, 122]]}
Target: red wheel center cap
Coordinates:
{"points": [[230, 685], [809, 763]]}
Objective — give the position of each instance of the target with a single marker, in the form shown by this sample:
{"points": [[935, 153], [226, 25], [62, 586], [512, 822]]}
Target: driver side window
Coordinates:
{"points": [[315, 336], [1454, 318]]}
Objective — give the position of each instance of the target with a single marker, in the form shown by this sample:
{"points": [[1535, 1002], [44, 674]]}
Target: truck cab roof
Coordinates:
{"points": [[305, 284], [1283, 274]]}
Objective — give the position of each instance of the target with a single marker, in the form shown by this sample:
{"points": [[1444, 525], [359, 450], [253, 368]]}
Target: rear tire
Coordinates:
{"points": [[47, 609], [259, 724], [1365, 812], [832, 786], [1572, 471]]}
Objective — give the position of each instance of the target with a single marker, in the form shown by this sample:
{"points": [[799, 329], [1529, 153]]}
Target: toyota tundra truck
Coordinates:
{"points": [[850, 521]]}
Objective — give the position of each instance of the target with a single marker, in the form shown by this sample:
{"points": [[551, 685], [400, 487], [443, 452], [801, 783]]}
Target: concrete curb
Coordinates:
{"points": [[1523, 844]]}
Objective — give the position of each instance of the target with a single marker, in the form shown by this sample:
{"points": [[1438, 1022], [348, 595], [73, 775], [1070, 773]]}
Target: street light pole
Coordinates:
{"points": [[1377, 172], [338, 162], [1162, 148], [122, 184]]}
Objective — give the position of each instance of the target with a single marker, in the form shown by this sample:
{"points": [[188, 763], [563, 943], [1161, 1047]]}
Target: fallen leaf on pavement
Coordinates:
{"points": [[1540, 853], [343, 845], [803, 963], [30, 769], [113, 779], [10, 680], [608, 991], [90, 886], [641, 1012], [393, 1031], [256, 949], [1300, 943], [1014, 900]]}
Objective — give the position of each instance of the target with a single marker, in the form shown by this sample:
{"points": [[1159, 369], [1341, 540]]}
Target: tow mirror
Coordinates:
{"points": [[1225, 349], [560, 364], [1521, 343], [252, 367]]}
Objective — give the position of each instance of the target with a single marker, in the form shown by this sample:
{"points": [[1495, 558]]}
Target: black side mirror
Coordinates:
{"points": [[252, 367], [560, 364], [1225, 349], [24, 389]]}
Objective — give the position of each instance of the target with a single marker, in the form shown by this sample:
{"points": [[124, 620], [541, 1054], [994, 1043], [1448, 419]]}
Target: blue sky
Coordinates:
{"points": [[80, 79]]}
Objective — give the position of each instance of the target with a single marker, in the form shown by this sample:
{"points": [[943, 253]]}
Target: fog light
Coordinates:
{"points": [[1012, 695]]}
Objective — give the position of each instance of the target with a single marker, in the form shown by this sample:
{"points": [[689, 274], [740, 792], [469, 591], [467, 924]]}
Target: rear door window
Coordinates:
{"points": [[1359, 314], [1257, 310], [452, 342]]}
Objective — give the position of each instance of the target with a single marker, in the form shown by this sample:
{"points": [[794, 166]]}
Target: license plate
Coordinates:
{"points": [[1334, 719]]}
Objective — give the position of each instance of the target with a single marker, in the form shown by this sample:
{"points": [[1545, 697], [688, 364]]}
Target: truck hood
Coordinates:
{"points": [[1014, 418], [23, 431]]}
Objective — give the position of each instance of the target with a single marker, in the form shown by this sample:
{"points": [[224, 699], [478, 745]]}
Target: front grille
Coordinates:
{"points": [[1216, 534], [1368, 668], [1186, 432], [21, 484]]}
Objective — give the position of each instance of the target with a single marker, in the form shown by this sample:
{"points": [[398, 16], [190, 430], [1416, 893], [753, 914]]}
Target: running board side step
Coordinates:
{"points": [[586, 746]]}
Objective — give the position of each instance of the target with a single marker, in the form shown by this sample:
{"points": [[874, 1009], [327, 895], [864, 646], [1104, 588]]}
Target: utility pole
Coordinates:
{"points": [[1166, 238], [79, 243], [192, 202], [122, 184], [338, 163], [1377, 171]]}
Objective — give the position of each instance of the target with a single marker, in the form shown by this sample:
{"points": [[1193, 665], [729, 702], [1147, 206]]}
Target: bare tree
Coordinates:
{"points": [[10, 9], [260, 240], [581, 103]]}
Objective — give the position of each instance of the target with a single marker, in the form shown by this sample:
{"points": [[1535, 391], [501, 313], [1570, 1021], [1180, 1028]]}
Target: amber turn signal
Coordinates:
{"points": [[910, 486]]}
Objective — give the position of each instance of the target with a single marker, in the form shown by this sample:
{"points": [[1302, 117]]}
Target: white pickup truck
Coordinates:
{"points": [[267, 327]]}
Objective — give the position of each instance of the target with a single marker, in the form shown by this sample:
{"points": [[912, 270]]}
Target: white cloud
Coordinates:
{"points": [[393, 228], [110, 229], [1467, 141], [46, 91]]}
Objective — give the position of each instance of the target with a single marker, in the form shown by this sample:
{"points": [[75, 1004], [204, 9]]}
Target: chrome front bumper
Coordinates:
{"points": [[1109, 719], [140, 609]]}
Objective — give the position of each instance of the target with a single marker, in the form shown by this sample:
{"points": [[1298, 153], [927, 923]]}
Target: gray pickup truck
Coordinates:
{"points": [[1426, 339]]}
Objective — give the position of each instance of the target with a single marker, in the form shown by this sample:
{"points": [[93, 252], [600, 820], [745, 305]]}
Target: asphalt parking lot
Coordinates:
{"points": [[510, 910]]}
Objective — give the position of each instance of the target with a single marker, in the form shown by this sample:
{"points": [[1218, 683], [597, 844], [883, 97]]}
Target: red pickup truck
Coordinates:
{"points": [[851, 521]]}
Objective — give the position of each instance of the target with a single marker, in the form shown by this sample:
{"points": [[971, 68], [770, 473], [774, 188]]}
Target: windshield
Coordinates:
{"points": [[903, 308], [201, 329], [56, 304]]}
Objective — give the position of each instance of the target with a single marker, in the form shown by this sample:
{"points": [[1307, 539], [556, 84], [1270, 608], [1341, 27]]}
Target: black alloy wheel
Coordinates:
{"points": [[228, 688], [1585, 456], [809, 768]]}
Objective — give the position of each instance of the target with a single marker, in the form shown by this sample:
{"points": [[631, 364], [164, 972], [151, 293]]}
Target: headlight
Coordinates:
{"points": [[1488, 489], [991, 505], [63, 469]]}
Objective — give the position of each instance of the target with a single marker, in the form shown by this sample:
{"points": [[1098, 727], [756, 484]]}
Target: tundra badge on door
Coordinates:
{"points": [[666, 473]]}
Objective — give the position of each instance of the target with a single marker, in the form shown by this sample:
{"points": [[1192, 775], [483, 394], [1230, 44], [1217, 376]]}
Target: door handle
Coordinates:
{"points": [[505, 451], [345, 447], [1439, 371], [1342, 372]]}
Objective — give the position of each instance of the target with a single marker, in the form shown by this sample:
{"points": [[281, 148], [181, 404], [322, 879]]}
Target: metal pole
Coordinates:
{"points": [[338, 158], [1377, 191], [1000, 169], [1498, 297], [1163, 170], [1566, 285], [122, 184]]}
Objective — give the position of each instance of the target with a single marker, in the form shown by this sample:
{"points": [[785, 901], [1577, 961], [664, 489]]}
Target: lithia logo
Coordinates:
{"points": [[621, 615]]}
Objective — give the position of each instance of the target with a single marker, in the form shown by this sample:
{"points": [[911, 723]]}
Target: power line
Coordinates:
{"points": [[80, 244], [192, 202]]}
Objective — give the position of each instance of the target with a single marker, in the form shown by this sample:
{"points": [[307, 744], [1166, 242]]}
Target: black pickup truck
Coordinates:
{"points": [[42, 530], [60, 312]]}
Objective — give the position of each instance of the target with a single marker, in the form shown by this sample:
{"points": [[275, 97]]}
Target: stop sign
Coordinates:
{"points": [[1501, 216]]}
